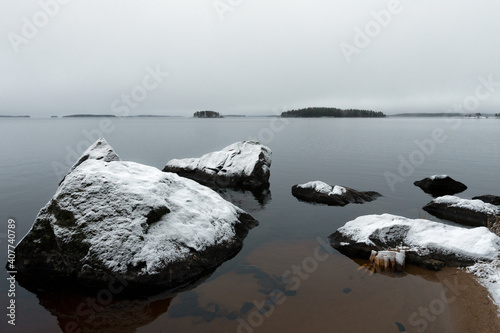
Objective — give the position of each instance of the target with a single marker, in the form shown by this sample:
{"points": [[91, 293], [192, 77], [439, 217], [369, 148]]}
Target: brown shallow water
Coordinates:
{"points": [[327, 293]]}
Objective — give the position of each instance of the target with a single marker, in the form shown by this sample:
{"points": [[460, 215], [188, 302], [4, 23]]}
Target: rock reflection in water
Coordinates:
{"points": [[250, 201], [101, 313]]}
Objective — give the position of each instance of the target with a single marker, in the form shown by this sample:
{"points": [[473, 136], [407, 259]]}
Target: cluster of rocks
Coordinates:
{"points": [[426, 243], [162, 230], [154, 230]]}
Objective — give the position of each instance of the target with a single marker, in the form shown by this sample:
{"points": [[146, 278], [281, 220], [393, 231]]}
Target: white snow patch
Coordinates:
{"points": [[476, 205], [99, 150], [322, 187], [238, 159], [423, 235], [438, 177], [488, 274]]}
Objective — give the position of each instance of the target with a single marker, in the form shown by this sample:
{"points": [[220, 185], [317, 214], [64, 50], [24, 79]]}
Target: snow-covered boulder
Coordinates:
{"points": [[99, 150], [111, 219], [320, 192], [439, 185], [488, 198], [425, 241], [475, 213], [244, 164]]}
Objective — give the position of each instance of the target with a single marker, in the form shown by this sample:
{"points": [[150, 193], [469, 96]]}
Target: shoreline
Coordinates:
{"points": [[473, 309]]}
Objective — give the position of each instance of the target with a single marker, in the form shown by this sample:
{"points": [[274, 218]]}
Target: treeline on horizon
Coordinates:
{"points": [[207, 114], [315, 112]]}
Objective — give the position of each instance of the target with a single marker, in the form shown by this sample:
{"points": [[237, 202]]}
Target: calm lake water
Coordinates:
{"points": [[329, 292]]}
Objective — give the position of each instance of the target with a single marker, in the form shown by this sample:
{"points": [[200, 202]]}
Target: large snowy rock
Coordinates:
{"points": [[426, 241], [474, 213], [439, 185], [320, 192], [244, 164], [123, 220]]}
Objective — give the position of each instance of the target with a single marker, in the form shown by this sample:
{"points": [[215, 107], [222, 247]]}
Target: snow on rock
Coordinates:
{"points": [[438, 177], [322, 187], [130, 221], [488, 274], [320, 192], [465, 211], [439, 185], [99, 150], [424, 241], [244, 164]]}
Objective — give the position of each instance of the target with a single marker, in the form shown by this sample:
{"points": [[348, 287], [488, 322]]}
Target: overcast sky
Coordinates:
{"points": [[247, 56]]}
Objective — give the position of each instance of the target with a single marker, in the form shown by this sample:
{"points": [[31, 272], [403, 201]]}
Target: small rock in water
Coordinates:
{"points": [[346, 290], [320, 192], [401, 327]]}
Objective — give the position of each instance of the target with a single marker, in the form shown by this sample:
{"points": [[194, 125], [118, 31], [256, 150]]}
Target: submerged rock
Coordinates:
{"points": [[244, 164], [123, 220], [474, 213], [488, 198], [426, 243], [320, 192], [439, 185]]}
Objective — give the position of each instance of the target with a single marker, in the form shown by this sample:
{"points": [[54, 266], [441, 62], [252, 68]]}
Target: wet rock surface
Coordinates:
{"points": [[320, 192], [474, 213], [440, 185]]}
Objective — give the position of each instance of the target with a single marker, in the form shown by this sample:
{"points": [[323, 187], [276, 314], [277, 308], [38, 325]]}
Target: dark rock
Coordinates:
{"points": [[319, 192], [488, 198], [242, 165], [111, 220], [433, 265], [474, 213], [401, 327], [440, 185]]}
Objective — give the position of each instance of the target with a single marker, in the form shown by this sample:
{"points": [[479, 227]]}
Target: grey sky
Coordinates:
{"points": [[247, 56]]}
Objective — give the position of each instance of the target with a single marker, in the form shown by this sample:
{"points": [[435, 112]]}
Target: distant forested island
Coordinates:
{"points": [[423, 114], [207, 114], [6, 116], [332, 112], [85, 115]]}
